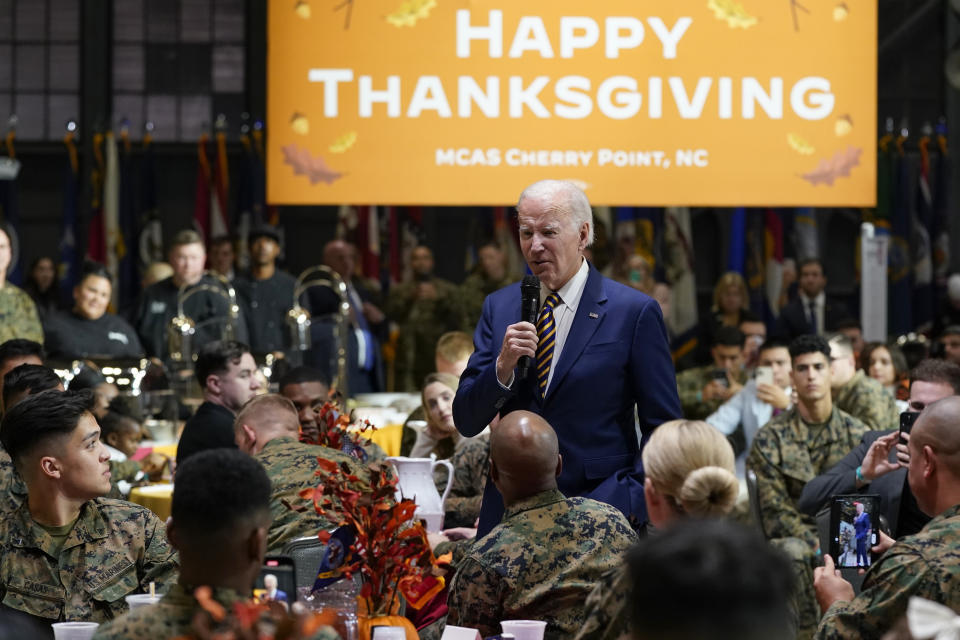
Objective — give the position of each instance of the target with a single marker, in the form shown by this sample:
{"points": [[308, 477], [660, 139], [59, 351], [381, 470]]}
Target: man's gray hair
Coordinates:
{"points": [[565, 196]]}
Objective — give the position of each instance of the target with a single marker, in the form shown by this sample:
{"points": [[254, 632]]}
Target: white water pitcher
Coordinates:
{"points": [[416, 483]]}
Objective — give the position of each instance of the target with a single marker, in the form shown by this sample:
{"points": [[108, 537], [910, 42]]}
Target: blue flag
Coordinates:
{"points": [[899, 263], [737, 247]]}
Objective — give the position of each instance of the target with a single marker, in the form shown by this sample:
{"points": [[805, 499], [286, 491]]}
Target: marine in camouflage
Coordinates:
{"points": [[172, 617], [926, 564], [539, 563], [865, 399], [18, 315], [606, 616], [474, 290], [13, 491], [787, 453], [470, 463], [291, 467], [690, 384], [115, 549], [422, 322]]}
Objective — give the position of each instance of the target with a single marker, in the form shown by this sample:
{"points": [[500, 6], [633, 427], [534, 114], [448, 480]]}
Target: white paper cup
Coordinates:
{"points": [[525, 629], [141, 600], [74, 630], [389, 633]]}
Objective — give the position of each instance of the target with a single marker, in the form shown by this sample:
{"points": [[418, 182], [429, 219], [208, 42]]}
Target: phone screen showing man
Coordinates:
{"points": [[853, 529]]}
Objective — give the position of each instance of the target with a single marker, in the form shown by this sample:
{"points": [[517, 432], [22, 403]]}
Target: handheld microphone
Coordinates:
{"points": [[529, 308]]}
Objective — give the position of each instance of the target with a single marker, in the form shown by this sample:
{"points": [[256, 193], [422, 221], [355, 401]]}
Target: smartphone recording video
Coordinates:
{"points": [[907, 418], [854, 521]]}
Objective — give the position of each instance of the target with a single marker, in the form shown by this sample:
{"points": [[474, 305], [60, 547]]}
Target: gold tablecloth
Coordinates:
{"points": [[156, 497], [388, 437]]}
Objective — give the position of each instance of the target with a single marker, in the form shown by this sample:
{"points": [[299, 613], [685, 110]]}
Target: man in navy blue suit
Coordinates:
{"points": [[600, 362]]}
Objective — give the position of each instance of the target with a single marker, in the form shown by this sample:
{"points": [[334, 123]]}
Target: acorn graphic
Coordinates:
{"points": [[843, 126], [300, 124]]}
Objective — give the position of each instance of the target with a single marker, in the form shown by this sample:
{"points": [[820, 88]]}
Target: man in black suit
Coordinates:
{"points": [[874, 468], [368, 326], [810, 312], [226, 373]]}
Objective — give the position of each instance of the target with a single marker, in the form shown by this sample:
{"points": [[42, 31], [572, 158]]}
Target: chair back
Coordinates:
{"points": [[307, 553]]}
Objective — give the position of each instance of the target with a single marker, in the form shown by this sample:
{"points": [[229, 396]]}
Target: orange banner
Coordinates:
{"points": [[642, 102]]}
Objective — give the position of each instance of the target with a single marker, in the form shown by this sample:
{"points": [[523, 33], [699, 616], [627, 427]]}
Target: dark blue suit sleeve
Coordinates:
{"points": [[651, 367], [840, 479], [480, 395]]}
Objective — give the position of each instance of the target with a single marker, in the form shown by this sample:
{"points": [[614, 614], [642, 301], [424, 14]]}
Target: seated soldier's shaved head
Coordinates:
{"points": [[524, 456], [939, 427]]}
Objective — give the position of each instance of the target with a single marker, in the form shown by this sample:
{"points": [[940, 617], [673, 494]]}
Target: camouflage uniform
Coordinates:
{"points": [[172, 617], [18, 315], [786, 454], [606, 616], [470, 462], [926, 564], [13, 491], [473, 292], [539, 563], [422, 322], [690, 384], [291, 467], [115, 549], [866, 400]]}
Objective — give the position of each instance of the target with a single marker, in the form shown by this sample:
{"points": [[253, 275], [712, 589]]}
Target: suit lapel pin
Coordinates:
{"points": [[593, 315]]}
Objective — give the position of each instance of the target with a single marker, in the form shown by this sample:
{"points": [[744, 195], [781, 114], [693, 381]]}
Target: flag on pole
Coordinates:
{"points": [[9, 207], [220, 193], [899, 262], [111, 214], [806, 234], [921, 222], [96, 238], [128, 284], [68, 269], [201, 201], [150, 237], [940, 224], [736, 247], [773, 251], [678, 263]]}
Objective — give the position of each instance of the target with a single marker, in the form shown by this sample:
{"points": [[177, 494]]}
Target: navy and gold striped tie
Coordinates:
{"points": [[547, 340]]}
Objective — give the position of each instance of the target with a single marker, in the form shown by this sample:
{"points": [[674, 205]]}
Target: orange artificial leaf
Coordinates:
{"points": [[327, 465], [830, 169], [314, 168], [204, 596]]}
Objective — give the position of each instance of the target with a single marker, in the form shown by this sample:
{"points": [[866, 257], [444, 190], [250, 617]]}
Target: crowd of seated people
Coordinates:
{"points": [[807, 414]]}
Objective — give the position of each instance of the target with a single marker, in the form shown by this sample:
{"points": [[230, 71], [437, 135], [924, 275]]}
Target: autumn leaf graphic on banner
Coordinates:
{"points": [[800, 145], [732, 12], [839, 166], [344, 142], [410, 11], [304, 164]]}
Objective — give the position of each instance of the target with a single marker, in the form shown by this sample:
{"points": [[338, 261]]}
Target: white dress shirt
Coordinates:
{"points": [[565, 312]]}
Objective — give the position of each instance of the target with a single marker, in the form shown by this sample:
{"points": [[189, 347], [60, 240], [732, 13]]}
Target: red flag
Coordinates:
{"points": [[201, 203], [368, 241], [221, 189]]}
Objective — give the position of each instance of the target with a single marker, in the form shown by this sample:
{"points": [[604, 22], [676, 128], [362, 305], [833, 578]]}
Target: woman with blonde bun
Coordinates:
{"points": [[690, 472]]}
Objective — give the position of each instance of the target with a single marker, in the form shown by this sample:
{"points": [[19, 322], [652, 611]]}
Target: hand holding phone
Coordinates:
{"points": [[765, 375]]}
